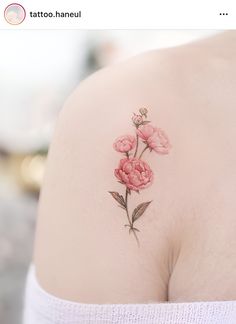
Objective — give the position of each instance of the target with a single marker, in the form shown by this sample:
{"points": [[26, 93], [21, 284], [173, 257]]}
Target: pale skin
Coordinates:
{"points": [[187, 237]]}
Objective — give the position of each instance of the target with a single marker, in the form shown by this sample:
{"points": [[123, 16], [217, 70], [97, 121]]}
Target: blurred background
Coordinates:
{"points": [[38, 70]]}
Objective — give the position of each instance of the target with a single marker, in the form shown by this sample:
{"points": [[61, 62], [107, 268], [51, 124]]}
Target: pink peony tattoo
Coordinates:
{"points": [[133, 172]]}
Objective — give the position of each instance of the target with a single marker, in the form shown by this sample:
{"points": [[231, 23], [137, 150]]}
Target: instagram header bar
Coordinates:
{"points": [[122, 14]]}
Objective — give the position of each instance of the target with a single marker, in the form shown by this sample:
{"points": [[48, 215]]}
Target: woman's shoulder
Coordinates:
{"points": [[86, 245], [83, 251]]}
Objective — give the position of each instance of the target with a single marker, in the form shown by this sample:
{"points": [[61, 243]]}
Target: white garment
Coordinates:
{"points": [[43, 308]]}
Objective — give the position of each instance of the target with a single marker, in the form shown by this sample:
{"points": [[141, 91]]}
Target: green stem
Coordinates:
{"points": [[126, 208], [136, 149], [136, 237], [143, 151], [131, 227]]}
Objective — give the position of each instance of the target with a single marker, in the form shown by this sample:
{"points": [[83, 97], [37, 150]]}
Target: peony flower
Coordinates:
{"points": [[125, 143], [155, 138], [135, 174], [160, 142], [137, 120]]}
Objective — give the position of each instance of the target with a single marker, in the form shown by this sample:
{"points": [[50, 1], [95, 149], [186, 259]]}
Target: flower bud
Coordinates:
{"points": [[137, 120], [143, 111]]}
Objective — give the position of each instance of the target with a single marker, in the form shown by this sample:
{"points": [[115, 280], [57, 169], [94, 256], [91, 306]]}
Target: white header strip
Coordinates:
{"points": [[124, 14]]}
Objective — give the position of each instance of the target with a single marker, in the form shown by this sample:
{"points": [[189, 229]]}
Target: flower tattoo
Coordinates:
{"points": [[133, 172]]}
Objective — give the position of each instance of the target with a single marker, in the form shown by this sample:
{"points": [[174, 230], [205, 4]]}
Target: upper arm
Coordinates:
{"points": [[83, 251]]}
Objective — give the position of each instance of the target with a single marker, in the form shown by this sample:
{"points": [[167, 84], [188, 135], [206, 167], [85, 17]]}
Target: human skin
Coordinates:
{"points": [[187, 236]]}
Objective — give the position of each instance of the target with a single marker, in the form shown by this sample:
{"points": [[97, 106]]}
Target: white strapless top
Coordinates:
{"points": [[44, 308]]}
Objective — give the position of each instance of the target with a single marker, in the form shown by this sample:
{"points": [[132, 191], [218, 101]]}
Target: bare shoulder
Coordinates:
{"points": [[83, 249]]}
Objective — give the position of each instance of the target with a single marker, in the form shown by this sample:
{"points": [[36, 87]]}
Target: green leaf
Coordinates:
{"points": [[139, 210], [122, 207], [119, 198]]}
